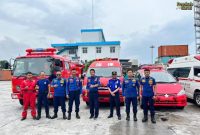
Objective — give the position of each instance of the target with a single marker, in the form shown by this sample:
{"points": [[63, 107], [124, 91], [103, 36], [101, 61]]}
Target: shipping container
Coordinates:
{"points": [[5, 75], [173, 50]]}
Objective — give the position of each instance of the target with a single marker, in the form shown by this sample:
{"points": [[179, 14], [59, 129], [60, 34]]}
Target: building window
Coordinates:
{"points": [[72, 51], [112, 49], [84, 49], [98, 49]]}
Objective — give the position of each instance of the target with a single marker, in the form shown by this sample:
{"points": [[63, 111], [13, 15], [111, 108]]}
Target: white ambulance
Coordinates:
{"points": [[187, 71]]}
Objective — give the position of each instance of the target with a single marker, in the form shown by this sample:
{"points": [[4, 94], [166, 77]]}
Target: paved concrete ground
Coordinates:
{"points": [[170, 121]]}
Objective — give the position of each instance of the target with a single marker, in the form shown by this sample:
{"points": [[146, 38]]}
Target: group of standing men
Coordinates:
{"points": [[71, 88]]}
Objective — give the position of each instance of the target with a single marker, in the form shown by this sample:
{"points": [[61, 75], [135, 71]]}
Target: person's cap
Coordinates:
{"points": [[114, 73]]}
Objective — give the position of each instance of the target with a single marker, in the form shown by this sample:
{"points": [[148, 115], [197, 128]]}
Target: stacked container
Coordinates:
{"points": [[167, 52]]}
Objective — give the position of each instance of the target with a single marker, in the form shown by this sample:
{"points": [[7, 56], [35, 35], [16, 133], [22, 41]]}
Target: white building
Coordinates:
{"points": [[93, 46]]}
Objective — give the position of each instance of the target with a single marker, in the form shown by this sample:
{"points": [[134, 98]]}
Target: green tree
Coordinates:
{"points": [[4, 64]]}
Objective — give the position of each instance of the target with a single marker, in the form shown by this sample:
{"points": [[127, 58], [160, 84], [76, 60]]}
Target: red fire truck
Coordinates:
{"points": [[37, 60]]}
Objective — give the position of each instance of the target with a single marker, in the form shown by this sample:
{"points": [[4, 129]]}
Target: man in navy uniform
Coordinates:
{"points": [[148, 92], [113, 87], [59, 85], [130, 89], [43, 87], [92, 86], [73, 90]]}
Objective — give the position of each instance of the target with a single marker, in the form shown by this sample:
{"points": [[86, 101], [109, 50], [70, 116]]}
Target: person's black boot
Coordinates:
{"points": [[91, 116], [22, 119], [64, 116], [135, 117], [127, 116], [153, 120], [54, 116], [145, 119], [34, 118], [48, 116], [110, 116], [77, 115], [69, 116], [119, 117], [38, 116]]}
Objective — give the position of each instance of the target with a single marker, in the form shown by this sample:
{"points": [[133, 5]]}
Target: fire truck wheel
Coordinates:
{"points": [[21, 101], [181, 108], [197, 98]]}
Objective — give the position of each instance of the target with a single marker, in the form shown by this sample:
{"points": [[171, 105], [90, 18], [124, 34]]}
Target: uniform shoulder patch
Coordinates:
{"points": [[143, 80]]}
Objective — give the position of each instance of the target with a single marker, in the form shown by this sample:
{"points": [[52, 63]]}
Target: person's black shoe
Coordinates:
{"points": [[77, 116], [69, 116], [91, 117], [22, 119], [135, 117], [119, 118], [145, 119], [54, 116], [127, 117], [48, 116], [110, 116], [95, 117], [153, 120], [34, 118], [38, 117], [64, 116]]}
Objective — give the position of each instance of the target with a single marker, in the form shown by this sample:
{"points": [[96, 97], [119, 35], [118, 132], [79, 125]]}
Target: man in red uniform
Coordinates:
{"points": [[29, 95]]}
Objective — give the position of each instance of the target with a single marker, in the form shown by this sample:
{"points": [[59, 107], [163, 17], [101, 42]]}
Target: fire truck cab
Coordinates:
{"points": [[35, 61]]}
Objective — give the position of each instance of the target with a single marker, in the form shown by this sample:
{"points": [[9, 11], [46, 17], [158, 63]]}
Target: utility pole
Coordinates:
{"points": [[196, 4], [152, 47], [92, 14]]}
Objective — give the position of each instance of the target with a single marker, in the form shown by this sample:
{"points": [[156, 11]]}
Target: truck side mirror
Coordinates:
{"points": [[177, 78]]}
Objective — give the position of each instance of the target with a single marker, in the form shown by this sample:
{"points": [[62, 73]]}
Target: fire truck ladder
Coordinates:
{"points": [[197, 24]]}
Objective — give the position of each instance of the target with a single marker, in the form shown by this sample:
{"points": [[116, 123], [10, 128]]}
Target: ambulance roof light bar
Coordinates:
{"points": [[151, 66]]}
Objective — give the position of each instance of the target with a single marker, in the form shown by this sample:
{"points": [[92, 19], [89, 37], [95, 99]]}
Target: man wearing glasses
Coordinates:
{"points": [[59, 85]]}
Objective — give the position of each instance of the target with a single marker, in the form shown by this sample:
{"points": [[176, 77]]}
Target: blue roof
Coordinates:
{"points": [[92, 30], [87, 44]]}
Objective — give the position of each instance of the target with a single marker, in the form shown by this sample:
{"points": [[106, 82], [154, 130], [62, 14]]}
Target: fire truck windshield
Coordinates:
{"points": [[34, 65], [105, 71]]}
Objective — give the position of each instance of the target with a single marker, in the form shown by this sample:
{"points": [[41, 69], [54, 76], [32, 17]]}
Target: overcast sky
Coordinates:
{"points": [[136, 23]]}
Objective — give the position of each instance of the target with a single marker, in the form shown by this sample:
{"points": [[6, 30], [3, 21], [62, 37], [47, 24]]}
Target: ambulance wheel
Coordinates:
{"points": [[87, 103], [197, 98], [21, 101]]}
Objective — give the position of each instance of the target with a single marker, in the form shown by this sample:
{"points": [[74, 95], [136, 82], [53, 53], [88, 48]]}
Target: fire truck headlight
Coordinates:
{"points": [[18, 88], [182, 92]]}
